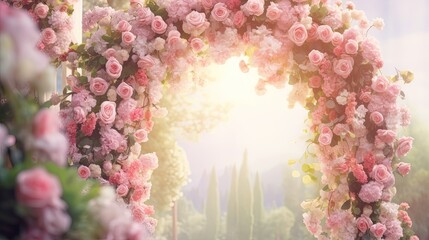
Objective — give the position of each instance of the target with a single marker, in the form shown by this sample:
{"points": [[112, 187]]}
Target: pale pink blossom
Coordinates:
{"points": [[158, 25], [128, 38], [404, 146], [344, 66], [273, 12], [107, 112], [337, 39], [298, 34], [315, 81], [381, 174], [113, 67], [124, 90], [403, 168], [376, 117], [123, 26], [45, 122], [49, 36], [380, 84], [351, 47], [37, 188], [371, 192], [122, 190], [41, 10], [84, 172], [220, 12], [195, 23], [98, 86], [378, 230], [140, 136], [387, 136], [253, 7], [316, 57], [54, 220], [197, 45], [239, 19], [363, 223], [325, 33]]}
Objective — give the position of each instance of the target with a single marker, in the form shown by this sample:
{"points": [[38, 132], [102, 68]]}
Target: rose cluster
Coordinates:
{"points": [[54, 21], [319, 47]]}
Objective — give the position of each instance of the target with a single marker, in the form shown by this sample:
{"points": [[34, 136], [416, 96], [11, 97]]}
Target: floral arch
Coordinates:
{"points": [[320, 47]]}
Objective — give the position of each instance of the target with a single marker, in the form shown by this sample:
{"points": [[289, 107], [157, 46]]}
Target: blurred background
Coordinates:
{"points": [[223, 144]]}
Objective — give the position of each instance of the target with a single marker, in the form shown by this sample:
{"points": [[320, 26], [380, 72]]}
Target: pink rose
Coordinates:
{"points": [[351, 47], [146, 62], [363, 223], [239, 19], [54, 220], [123, 26], [220, 13], [325, 33], [84, 172], [316, 57], [49, 36], [128, 37], [378, 230], [404, 146], [273, 12], [404, 168], [195, 23], [113, 68], [41, 10], [107, 112], [125, 91], [298, 34], [46, 122], [79, 115], [141, 136], [122, 190], [253, 7], [381, 174], [126, 107], [344, 66], [98, 86], [37, 188], [371, 192], [387, 136], [325, 139], [158, 25], [380, 84], [207, 4], [337, 39], [414, 237], [315, 81], [376, 117], [197, 45]]}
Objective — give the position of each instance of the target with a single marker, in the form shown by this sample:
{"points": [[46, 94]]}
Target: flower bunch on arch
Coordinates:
{"points": [[321, 48]]}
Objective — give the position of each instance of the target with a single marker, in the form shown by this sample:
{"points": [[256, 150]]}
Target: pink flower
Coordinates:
{"points": [[316, 57], [141, 193], [122, 190], [387, 136], [195, 23], [197, 45], [376, 117], [110, 52], [107, 112], [380, 84], [123, 26], [381, 174], [404, 146], [315, 81], [113, 67], [378, 230], [49, 36], [79, 114], [253, 7], [239, 19], [125, 91], [158, 25], [273, 12], [141, 136], [404, 168], [89, 125], [371, 192], [337, 39], [136, 115], [363, 223], [128, 38], [298, 34], [325, 33], [41, 10], [220, 13], [359, 173], [84, 172], [351, 47], [414, 237], [325, 139], [149, 161], [37, 188], [98, 86], [111, 140], [54, 220], [344, 66], [126, 107], [45, 122]]}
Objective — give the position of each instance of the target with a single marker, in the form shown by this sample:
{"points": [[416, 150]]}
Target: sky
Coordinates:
{"points": [[271, 132]]}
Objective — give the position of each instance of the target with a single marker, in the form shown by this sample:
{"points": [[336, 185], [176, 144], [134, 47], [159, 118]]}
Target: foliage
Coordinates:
{"points": [[232, 211], [278, 224], [245, 202], [258, 209], [212, 208]]}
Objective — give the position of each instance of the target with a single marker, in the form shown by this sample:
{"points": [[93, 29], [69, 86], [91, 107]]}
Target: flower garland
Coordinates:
{"points": [[319, 47], [53, 18]]}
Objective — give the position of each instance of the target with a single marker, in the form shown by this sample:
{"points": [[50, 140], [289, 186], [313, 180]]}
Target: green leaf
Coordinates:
{"points": [[326, 188], [346, 205], [107, 38]]}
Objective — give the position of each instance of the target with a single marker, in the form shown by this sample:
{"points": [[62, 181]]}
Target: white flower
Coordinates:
{"points": [[378, 23], [361, 112], [342, 98]]}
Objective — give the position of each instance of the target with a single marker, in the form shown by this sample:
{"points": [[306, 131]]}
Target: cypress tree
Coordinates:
{"points": [[258, 209], [231, 217], [245, 216], [212, 208]]}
